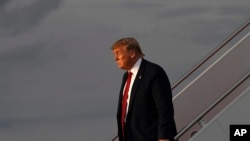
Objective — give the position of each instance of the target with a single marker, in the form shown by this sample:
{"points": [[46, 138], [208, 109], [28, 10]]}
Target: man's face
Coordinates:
{"points": [[123, 57]]}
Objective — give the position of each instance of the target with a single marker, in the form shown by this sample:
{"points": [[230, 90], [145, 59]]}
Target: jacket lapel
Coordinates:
{"points": [[136, 84]]}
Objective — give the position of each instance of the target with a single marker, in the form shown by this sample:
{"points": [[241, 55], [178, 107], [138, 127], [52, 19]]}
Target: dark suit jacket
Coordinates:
{"points": [[150, 114]]}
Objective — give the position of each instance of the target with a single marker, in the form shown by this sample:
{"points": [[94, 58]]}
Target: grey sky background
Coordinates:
{"points": [[58, 79]]}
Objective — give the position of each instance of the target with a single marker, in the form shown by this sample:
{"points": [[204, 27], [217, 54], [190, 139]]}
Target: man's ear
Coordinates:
{"points": [[132, 53]]}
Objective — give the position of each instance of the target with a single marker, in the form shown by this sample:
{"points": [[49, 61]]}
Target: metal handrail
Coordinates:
{"points": [[183, 131], [196, 67], [245, 25], [113, 138]]}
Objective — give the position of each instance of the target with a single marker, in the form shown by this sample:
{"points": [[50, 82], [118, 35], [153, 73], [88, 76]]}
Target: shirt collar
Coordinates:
{"points": [[136, 67]]}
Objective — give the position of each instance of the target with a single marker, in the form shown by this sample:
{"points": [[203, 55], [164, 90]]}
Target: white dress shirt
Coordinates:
{"points": [[134, 71]]}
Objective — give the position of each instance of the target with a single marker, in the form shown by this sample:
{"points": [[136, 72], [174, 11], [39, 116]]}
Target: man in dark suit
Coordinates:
{"points": [[145, 109]]}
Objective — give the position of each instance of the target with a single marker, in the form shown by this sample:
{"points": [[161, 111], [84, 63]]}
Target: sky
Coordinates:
{"points": [[58, 78]]}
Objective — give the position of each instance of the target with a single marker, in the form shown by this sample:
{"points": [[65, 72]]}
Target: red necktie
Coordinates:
{"points": [[124, 100]]}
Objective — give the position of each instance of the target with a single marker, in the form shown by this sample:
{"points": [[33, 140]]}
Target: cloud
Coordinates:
{"points": [[140, 5], [19, 19], [3, 3], [65, 75], [235, 11], [183, 12]]}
